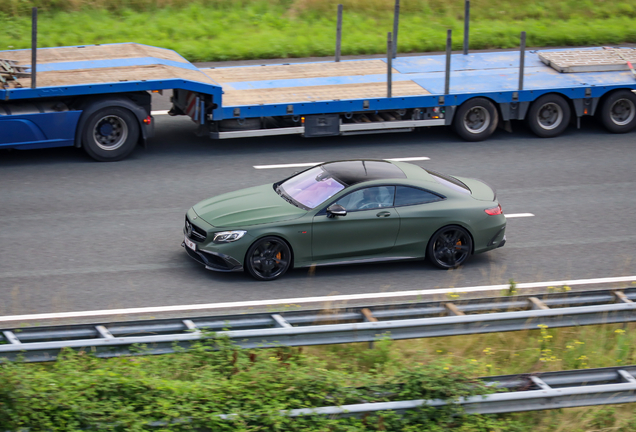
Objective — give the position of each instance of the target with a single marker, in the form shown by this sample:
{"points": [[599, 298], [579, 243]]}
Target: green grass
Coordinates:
{"points": [[251, 29], [80, 391]]}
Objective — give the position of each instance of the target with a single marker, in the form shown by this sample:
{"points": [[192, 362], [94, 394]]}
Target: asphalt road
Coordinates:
{"points": [[81, 235]]}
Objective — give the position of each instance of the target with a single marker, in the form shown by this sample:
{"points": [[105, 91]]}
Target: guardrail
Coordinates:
{"points": [[341, 325], [525, 392], [551, 390]]}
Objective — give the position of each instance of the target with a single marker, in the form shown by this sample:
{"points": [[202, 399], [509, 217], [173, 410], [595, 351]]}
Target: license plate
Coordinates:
{"points": [[189, 243]]}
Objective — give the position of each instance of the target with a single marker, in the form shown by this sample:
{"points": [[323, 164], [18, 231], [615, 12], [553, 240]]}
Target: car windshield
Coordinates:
{"points": [[311, 188]]}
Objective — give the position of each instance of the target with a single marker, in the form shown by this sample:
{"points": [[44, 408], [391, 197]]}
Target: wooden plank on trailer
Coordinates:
{"points": [[116, 75], [92, 53], [319, 93], [297, 70]]}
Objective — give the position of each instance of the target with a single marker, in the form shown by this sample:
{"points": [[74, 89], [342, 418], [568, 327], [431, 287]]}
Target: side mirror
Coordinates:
{"points": [[336, 210]]}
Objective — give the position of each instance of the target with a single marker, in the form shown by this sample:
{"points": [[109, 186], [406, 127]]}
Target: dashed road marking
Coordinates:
{"points": [[518, 215]]}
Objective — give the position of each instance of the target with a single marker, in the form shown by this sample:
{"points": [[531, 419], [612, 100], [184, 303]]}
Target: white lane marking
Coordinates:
{"points": [[518, 215], [274, 302], [161, 112], [300, 165]]}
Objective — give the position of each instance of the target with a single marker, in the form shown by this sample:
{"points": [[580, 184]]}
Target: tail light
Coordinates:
{"points": [[494, 211]]}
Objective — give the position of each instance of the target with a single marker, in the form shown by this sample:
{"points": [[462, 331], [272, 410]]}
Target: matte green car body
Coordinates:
{"points": [[361, 236]]}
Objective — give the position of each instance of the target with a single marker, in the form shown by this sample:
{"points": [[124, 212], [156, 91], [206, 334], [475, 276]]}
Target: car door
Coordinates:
{"points": [[370, 226], [421, 213]]}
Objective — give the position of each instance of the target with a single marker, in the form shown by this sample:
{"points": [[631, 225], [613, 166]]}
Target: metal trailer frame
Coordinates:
{"points": [[315, 327], [511, 81]]}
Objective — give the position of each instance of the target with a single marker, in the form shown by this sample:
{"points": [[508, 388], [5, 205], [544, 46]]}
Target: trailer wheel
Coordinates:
{"points": [[110, 134], [549, 116], [476, 119], [618, 112]]}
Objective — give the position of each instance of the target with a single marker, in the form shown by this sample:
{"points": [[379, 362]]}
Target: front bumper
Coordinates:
{"points": [[215, 261]]}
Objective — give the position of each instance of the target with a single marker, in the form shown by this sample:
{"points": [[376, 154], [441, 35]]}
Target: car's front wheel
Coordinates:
{"points": [[449, 247], [268, 258]]}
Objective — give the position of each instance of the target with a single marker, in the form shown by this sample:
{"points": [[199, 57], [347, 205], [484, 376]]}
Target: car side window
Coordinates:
{"points": [[410, 196], [368, 198]]}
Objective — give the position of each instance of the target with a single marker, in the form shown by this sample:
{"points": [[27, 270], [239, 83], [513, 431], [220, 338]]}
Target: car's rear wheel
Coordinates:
{"points": [[449, 247], [268, 258]]}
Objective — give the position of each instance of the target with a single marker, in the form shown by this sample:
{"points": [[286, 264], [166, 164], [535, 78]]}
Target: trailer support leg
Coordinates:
{"points": [[522, 59], [339, 33], [34, 46], [466, 25], [396, 20], [449, 43], [389, 62]]}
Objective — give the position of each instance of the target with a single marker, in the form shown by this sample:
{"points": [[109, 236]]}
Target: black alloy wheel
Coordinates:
{"points": [[549, 116], [618, 112], [449, 247], [268, 259], [476, 119]]}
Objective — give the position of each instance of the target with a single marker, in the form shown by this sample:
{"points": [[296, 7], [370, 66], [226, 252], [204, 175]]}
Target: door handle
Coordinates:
{"points": [[383, 214]]}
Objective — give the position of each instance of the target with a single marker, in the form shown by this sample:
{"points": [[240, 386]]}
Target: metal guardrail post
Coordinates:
{"points": [[396, 20], [522, 59], [466, 25], [449, 44], [34, 46], [339, 33], [389, 62]]}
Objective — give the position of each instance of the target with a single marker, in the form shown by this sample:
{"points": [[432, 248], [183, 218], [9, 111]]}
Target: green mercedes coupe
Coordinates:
{"points": [[353, 211]]}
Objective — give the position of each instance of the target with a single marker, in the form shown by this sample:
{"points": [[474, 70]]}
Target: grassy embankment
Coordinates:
{"points": [[246, 29], [199, 384]]}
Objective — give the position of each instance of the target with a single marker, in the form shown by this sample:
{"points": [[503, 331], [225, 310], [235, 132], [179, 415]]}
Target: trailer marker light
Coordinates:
{"points": [[147, 120]]}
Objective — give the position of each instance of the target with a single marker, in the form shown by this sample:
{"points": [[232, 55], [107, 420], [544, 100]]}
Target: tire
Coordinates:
{"points": [[476, 119], [549, 116], [618, 111], [233, 125], [449, 247], [110, 134], [268, 258]]}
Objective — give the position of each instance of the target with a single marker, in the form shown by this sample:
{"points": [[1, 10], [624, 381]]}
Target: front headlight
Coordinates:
{"points": [[228, 236]]}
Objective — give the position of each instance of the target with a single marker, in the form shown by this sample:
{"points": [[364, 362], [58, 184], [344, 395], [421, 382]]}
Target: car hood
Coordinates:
{"points": [[252, 206]]}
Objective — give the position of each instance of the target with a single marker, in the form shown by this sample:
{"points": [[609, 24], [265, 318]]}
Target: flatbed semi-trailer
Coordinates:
{"points": [[98, 97]]}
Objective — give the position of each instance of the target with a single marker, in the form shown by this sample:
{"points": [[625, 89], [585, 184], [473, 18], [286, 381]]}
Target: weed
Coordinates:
{"points": [[205, 30]]}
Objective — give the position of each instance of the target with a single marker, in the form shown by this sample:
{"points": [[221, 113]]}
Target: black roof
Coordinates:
{"points": [[357, 171]]}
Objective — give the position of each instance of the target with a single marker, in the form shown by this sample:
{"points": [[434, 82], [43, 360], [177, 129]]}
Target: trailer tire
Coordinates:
{"points": [[476, 119], [110, 134], [549, 116], [618, 112]]}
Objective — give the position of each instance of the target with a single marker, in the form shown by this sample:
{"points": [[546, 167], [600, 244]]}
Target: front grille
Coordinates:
{"points": [[197, 234]]}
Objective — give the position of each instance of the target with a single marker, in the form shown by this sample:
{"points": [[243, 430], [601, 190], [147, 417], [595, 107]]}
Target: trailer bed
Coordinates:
{"points": [[412, 76], [103, 64]]}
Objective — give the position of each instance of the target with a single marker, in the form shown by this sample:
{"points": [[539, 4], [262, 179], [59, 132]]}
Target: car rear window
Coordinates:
{"points": [[410, 196], [450, 182]]}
